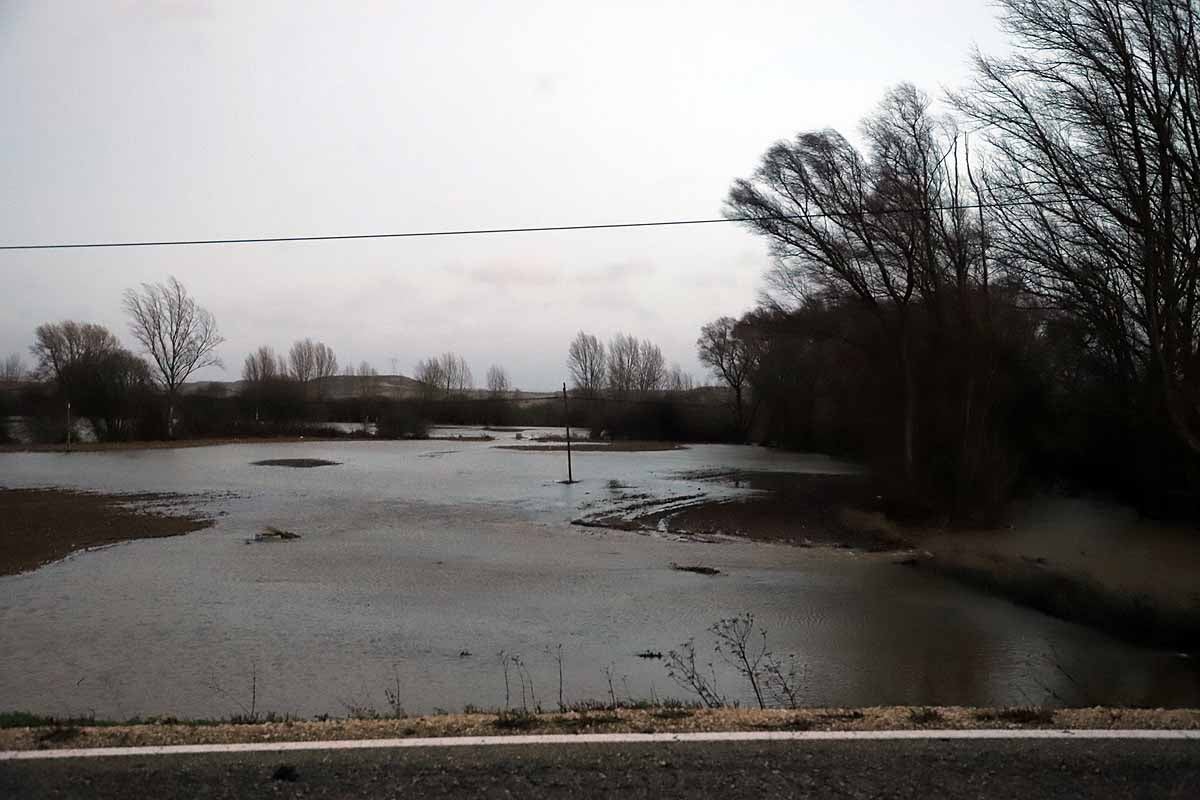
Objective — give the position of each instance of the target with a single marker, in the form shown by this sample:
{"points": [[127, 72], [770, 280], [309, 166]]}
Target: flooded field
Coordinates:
{"points": [[419, 563]]}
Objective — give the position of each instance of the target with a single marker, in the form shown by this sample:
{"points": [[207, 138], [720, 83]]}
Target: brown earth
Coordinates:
{"points": [[799, 509], [1139, 586], [589, 447], [44, 525], [94, 447]]}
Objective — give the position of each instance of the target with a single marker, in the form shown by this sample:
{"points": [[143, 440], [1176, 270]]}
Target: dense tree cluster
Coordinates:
{"points": [[968, 312]]}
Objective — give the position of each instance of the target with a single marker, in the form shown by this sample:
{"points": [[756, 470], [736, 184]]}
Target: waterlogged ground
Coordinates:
{"points": [[421, 562]]}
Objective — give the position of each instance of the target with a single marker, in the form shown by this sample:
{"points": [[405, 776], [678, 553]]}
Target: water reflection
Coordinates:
{"points": [[414, 552]]}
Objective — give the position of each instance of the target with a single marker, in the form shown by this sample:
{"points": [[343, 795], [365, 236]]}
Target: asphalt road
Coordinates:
{"points": [[1024, 769]]}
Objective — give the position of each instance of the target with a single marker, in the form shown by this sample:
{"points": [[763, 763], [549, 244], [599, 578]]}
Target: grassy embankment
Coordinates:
{"points": [[19, 731]]}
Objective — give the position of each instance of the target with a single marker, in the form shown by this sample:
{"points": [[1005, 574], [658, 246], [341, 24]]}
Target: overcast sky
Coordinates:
{"points": [[191, 119]]}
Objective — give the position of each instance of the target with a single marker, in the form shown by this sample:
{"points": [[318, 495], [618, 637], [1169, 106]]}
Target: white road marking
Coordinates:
{"points": [[594, 738]]}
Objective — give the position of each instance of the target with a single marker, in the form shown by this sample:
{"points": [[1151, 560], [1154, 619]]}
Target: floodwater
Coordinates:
{"points": [[422, 562]]}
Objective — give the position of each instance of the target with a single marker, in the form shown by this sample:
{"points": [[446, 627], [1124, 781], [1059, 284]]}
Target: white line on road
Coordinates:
{"points": [[594, 738]]}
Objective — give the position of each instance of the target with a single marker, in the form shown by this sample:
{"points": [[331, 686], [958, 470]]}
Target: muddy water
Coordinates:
{"points": [[421, 562]]}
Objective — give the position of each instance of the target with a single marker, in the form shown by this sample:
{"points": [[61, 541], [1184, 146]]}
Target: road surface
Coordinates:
{"points": [[921, 768]]}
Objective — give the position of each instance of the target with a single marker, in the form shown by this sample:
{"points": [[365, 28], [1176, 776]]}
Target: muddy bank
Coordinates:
{"points": [[45, 525], [1139, 618], [1141, 593], [103, 447], [46, 734], [1088, 565], [591, 447], [806, 510]]}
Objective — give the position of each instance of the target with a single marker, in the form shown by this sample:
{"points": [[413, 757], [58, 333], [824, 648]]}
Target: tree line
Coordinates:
{"points": [[84, 368], [977, 312], [627, 367], [82, 371]]}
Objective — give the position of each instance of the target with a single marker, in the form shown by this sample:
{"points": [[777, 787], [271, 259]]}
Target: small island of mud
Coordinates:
{"points": [[45, 525], [593, 447], [296, 463], [807, 510]]}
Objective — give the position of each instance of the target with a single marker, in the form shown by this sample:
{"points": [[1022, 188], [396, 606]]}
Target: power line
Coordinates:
{"points": [[534, 229]]}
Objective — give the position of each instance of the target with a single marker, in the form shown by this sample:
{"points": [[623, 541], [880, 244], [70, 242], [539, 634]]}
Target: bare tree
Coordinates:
{"points": [[497, 381], [366, 379], [456, 375], [586, 363], [730, 358], [13, 368], [324, 361], [260, 369], [431, 376], [651, 368], [882, 229], [302, 360], [624, 352], [311, 363], [260, 366], [1096, 182], [180, 336], [60, 348], [101, 380]]}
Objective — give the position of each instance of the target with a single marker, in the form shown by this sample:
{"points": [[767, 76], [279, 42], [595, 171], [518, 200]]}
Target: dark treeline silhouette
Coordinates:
{"points": [[969, 313]]}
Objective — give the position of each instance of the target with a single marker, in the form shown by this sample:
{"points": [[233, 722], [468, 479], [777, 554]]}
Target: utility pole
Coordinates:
{"points": [[69, 426], [567, 420]]}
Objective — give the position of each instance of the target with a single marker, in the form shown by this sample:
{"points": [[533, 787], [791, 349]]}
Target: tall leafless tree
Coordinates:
{"points": [[430, 375], [260, 369], [624, 353], [651, 368], [882, 228], [498, 385], [366, 387], [311, 363], [324, 361], [1095, 124], [302, 360], [455, 374], [179, 336], [587, 365], [261, 365], [730, 357]]}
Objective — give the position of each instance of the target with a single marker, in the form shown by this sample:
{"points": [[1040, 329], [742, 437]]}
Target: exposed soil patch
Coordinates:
{"points": [[797, 508], [100, 447], [591, 447], [297, 463], [44, 525], [668, 719]]}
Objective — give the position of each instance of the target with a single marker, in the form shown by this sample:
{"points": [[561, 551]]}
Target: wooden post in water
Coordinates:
{"points": [[567, 420], [68, 426]]}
